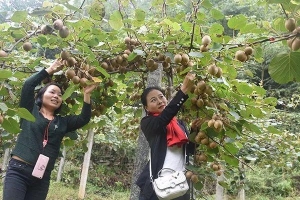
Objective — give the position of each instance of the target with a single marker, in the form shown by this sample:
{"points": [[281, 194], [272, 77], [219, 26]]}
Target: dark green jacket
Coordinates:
{"points": [[30, 140]]}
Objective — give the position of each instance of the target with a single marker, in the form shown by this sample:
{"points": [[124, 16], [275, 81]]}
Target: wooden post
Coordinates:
{"points": [[61, 165], [85, 165]]}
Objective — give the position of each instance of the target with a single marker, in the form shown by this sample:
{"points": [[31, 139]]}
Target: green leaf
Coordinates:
{"points": [[19, 16], [272, 129], [69, 142], [284, 67], [237, 22], [229, 159], [195, 54], [115, 21], [216, 29], [216, 14], [140, 15], [72, 135], [97, 11], [11, 125], [259, 90], [231, 148], [5, 74], [271, 101], [69, 91], [252, 127], [198, 186], [131, 56], [207, 4], [3, 107], [102, 71], [187, 26], [244, 88], [25, 114]]}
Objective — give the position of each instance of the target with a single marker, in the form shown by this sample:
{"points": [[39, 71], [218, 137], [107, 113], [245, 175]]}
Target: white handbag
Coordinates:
{"points": [[170, 186]]}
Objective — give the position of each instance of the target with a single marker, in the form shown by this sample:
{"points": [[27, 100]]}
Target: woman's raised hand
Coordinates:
{"points": [[188, 82], [55, 67]]}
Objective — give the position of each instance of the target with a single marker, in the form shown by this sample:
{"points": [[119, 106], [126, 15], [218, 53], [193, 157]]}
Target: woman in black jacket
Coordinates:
{"points": [[43, 136], [167, 137]]}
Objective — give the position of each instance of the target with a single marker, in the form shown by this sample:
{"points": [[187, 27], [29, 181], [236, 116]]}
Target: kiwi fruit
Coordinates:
{"points": [[71, 61], [83, 82], [70, 73], [76, 79], [211, 122], [290, 24], [241, 56], [46, 29], [188, 174], [200, 103], [177, 58], [218, 124], [206, 40], [104, 65], [212, 69], [219, 72], [212, 145], [194, 178], [248, 50], [1, 119], [64, 55], [204, 48], [3, 53], [27, 46], [184, 59], [58, 24], [296, 44], [64, 32]]}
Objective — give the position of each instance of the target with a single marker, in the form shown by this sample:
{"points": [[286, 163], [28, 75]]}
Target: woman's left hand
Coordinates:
{"points": [[89, 88]]}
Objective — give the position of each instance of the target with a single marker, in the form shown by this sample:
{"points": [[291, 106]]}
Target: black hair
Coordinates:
{"points": [[40, 95], [146, 92]]}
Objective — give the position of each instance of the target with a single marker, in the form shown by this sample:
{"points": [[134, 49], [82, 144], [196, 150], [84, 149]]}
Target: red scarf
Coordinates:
{"points": [[175, 135]]}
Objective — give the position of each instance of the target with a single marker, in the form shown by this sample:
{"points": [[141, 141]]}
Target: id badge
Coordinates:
{"points": [[40, 166]]}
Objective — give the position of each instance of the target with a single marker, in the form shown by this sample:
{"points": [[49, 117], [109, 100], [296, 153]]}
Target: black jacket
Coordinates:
{"points": [[154, 129]]}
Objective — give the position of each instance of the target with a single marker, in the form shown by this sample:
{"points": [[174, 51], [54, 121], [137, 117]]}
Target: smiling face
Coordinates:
{"points": [[156, 101], [52, 98]]}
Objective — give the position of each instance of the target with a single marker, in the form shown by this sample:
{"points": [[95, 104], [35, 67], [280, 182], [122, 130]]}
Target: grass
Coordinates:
{"points": [[60, 191]]}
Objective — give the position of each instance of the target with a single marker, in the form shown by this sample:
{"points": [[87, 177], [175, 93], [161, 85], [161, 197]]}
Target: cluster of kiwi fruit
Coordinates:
{"points": [[214, 70], [244, 55], [202, 138], [216, 123], [206, 40], [217, 168], [120, 63], [77, 72], [291, 26], [202, 91], [183, 61], [192, 176], [58, 24]]}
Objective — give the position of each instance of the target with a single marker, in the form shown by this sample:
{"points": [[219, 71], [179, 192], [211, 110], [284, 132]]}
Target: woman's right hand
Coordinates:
{"points": [[188, 82], [55, 67]]}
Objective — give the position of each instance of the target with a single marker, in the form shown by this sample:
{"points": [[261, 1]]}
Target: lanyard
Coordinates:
{"points": [[46, 134]]}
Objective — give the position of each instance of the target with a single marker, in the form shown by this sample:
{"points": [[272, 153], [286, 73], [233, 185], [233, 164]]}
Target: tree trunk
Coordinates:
{"points": [[142, 150], [6, 157], [61, 165], [86, 164], [219, 188]]}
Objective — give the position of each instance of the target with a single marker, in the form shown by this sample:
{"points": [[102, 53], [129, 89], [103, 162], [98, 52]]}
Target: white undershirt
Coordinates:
{"points": [[174, 159]]}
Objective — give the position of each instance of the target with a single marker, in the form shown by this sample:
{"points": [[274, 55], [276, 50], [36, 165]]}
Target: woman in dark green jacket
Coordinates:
{"points": [[41, 137]]}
